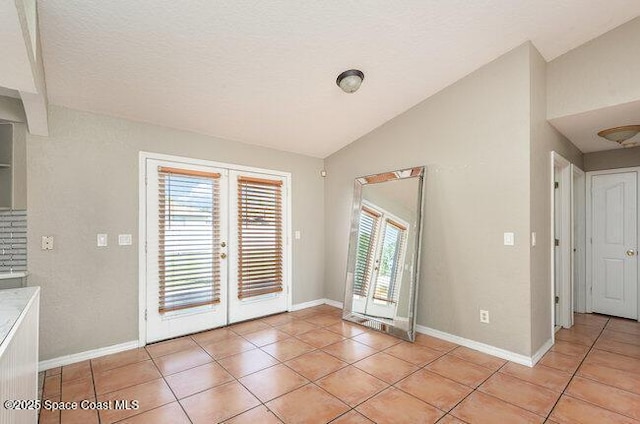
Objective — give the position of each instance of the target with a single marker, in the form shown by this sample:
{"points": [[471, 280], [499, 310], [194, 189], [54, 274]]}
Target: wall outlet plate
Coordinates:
{"points": [[47, 242], [509, 239], [484, 316], [124, 239], [102, 240]]}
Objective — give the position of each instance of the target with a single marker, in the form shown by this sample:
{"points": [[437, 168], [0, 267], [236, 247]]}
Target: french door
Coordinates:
{"points": [[216, 246]]}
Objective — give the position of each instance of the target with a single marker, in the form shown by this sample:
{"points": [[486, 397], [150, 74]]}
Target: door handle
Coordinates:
{"points": [[631, 252], [223, 255]]}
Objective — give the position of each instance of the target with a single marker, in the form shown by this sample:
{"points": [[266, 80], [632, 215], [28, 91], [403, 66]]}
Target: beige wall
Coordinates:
{"points": [[83, 180], [474, 139], [600, 73], [611, 159], [544, 140]]}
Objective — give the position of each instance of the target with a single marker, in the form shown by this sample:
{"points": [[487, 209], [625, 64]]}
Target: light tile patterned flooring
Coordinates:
{"points": [[310, 367]]}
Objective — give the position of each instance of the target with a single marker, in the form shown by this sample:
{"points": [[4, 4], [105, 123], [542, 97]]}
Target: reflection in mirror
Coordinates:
{"points": [[383, 251]]}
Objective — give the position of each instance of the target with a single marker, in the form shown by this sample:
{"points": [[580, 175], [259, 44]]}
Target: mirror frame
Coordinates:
{"points": [[418, 172]]}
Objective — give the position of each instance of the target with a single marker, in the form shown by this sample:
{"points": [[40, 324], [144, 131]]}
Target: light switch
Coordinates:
{"points": [[124, 239], [102, 240], [47, 242], [509, 239], [297, 234]]}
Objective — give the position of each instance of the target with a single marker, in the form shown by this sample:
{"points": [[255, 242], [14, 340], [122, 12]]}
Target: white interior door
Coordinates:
{"points": [[614, 234], [186, 224], [258, 245]]}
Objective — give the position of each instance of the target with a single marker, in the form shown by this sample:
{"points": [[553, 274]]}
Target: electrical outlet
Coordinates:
{"points": [[484, 316], [47, 242], [124, 239]]}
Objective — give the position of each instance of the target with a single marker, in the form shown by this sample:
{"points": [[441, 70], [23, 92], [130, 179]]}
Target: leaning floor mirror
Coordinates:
{"points": [[384, 251]]}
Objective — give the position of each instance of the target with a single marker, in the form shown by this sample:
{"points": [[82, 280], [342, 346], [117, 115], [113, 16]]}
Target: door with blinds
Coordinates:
{"points": [[185, 249], [215, 247], [257, 271]]}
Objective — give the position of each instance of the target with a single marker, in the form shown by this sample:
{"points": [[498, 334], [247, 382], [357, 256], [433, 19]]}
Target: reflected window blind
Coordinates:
{"points": [[260, 239], [393, 243], [367, 235], [13, 241], [189, 238]]}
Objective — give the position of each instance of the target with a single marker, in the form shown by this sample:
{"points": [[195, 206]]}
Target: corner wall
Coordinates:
{"points": [[473, 136], [544, 140], [83, 180]]}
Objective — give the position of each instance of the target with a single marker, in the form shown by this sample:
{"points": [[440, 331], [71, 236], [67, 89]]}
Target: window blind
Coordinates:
{"points": [[260, 239], [367, 235], [389, 268], [189, 238]]}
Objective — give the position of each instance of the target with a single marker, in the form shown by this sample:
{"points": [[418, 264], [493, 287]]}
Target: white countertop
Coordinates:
{"points": [[12, 303]]}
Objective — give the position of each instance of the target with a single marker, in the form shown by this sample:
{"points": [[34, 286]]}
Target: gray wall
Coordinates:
{"points": [[600, 73], [544, 140], [83, 180], [611, 159], [474, 139], [11, 109]]}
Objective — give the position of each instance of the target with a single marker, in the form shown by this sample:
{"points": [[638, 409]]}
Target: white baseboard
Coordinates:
{"points": [[333, 303], [305, 305], [83, 356], [540, 353], [317, 302], [482, 347]]}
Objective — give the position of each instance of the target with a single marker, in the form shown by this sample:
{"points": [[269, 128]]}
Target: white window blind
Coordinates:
{"points": [[189, 238], [260, 237], [367, 235]]}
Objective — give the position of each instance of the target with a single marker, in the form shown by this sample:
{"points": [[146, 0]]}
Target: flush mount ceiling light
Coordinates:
{"points": [[622, 135], [349, 81]]}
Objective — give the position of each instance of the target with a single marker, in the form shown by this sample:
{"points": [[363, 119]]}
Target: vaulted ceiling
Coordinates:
{"points": [[263, 72]]}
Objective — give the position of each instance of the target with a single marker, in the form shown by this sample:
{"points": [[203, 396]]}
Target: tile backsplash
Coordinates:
{"points": [[13, 241]]}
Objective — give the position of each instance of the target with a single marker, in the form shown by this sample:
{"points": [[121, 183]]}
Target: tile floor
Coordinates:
{"points": [[310, 367]]}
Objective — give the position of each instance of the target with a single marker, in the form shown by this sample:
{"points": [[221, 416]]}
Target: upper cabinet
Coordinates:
{"points": [[13, 166]]}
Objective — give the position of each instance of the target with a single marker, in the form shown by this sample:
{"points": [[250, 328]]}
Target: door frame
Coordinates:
{"points": [[142, 230], [589, 217], [578, 240], [566, 298]]}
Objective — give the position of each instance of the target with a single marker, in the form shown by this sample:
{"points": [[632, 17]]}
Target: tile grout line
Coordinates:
{"points": [[576, 371], [577, 368]]}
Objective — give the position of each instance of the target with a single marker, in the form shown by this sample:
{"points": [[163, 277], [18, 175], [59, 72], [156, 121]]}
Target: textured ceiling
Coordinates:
{"points": [[263, 72]]}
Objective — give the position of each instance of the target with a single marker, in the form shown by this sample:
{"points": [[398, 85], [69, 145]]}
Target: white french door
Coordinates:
{"points": [[614, 209], [257, 274], [216, 246]]}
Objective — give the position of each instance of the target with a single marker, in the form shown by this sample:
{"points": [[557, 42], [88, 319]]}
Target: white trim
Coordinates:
{"points": [[578, 244], [317, 302], [540, 353], [472, 344], [589, 235], [83, 356], [334, 303], [305, 305], [142, 236], [565, 181]]}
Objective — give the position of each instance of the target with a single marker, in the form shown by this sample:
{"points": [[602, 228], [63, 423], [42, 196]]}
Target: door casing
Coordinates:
{"points": [[142, 231]]}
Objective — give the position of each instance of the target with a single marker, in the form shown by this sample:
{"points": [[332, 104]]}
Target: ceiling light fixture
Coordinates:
{"points": [[349, 81], [622, 135]]}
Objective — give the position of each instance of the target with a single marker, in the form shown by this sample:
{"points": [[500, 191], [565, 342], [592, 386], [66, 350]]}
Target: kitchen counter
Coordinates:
{"points": [[13, 302]]}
